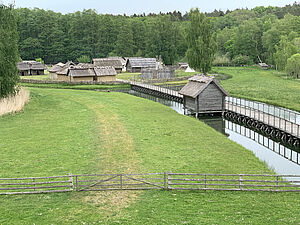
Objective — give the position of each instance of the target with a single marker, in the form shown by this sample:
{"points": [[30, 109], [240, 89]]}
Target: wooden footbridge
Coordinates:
{"points": [[274, 121], [156, 90]]}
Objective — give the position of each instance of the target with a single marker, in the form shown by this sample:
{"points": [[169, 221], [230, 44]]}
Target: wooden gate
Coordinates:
{"points": [[106, 182]]}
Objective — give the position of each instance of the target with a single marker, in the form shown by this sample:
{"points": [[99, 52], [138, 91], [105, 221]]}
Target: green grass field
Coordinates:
{"points": [[268, 86], [63, 131]]}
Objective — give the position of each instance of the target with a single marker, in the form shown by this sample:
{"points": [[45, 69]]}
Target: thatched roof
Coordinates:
{"points": [[23, 66], [105, 71], [30, 65], [64, 69], [123, 61], [142, 62], [77, 71], [197, 85], [56, 68], [116, 63], [85, 65]]}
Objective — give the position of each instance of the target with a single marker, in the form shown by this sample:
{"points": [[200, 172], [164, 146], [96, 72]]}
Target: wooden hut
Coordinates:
{"points": [[203, 95], [24, 69], [37, 68], [104, 62], [27, 68], [135, 65], [77, 73], [54, 69], [105, 74]]}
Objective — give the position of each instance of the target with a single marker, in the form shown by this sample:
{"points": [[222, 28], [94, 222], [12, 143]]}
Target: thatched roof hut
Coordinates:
{"points": [[135, 65], [104, 62], [105, 74], [30, 68], [203, 95]]}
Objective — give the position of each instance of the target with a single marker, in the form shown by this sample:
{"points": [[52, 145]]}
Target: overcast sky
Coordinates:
{"points": [[139, 6]]}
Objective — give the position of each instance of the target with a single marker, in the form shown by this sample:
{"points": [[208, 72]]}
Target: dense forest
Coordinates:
{"points": [[270, 34]]}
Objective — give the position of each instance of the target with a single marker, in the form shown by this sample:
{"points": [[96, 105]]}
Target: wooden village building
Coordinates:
{"points": [[27, 68], [114, 62], [87, 74], [57, 68], [203, 95], [135, 65], [161, 73]]}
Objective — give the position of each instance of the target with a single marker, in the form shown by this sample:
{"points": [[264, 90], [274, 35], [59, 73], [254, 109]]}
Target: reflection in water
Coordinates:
{"points": [[279, 158]]}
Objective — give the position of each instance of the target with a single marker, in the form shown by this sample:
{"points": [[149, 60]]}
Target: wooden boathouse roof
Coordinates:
{"points": [[198, 84]]}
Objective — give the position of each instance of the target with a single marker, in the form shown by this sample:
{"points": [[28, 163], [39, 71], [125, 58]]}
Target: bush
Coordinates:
{"points": [[242, 60], [222, 60], [84, 59], [9, 55], [293, 65]]}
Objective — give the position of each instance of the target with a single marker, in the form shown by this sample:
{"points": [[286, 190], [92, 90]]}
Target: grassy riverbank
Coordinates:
{"points": [[63, 131], [268, 86]]}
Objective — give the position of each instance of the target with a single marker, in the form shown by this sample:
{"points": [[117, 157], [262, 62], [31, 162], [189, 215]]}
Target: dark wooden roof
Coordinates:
{"points": [[116, 63], [105, 71], [142, 62], [197, 84]]}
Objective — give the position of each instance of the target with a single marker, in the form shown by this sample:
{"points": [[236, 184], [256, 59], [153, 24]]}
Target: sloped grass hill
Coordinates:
{"points": [[63, 131]]}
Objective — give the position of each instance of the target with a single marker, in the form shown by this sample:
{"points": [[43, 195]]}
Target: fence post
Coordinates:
{"points": [[277, 182], [33, 184], [121, 181], [165, 181], [169, 180], [240, 181], [205, 182], [71, 181], [76, 180]]}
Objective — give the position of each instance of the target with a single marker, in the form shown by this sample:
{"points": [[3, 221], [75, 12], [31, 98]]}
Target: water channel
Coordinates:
{"points": [[278, 157]]}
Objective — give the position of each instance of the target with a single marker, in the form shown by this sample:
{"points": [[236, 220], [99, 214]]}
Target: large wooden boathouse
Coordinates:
{"points": [[203, 95]]}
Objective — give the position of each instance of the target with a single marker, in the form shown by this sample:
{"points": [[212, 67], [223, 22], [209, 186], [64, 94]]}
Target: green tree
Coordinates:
{"points": [[247, 40], [293, 65], [125, 43], [284, 50], [84, 59], [8, 51], [201, 42]]}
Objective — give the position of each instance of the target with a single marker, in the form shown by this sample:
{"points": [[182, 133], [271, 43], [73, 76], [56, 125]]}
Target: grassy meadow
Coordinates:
{"points": [[268, 86], [63, 131]]}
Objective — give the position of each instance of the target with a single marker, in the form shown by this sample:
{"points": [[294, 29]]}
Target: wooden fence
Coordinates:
{"points": [[150, 181]]}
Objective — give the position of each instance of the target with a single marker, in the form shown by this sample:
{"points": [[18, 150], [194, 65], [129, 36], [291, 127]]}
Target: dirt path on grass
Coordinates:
{"points": [[116, 155]]}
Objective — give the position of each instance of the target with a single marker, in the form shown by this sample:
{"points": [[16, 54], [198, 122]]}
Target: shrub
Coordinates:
{"points": [[222, 60], [293, 65], [242, 60]]}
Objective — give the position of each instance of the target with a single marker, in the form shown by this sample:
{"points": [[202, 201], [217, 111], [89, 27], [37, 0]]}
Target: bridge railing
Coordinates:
{"points": [[284, 119]]}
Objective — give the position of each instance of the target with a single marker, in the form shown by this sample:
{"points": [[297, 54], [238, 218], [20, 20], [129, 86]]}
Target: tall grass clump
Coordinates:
{"points": [[14, 103]]}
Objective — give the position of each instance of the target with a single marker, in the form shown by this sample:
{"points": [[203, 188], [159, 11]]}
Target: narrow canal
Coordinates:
{"points": [[280, 158]]}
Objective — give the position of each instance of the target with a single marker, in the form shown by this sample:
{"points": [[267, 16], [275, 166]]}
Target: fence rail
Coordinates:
{"points": [[280, 118], [150, 181]]}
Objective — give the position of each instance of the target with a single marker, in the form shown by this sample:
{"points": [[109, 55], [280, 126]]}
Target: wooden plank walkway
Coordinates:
{"points": [[156, 88], [289, 125]]}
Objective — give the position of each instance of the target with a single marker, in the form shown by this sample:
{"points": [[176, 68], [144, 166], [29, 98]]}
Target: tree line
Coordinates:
{"points": [[243, 36]]}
